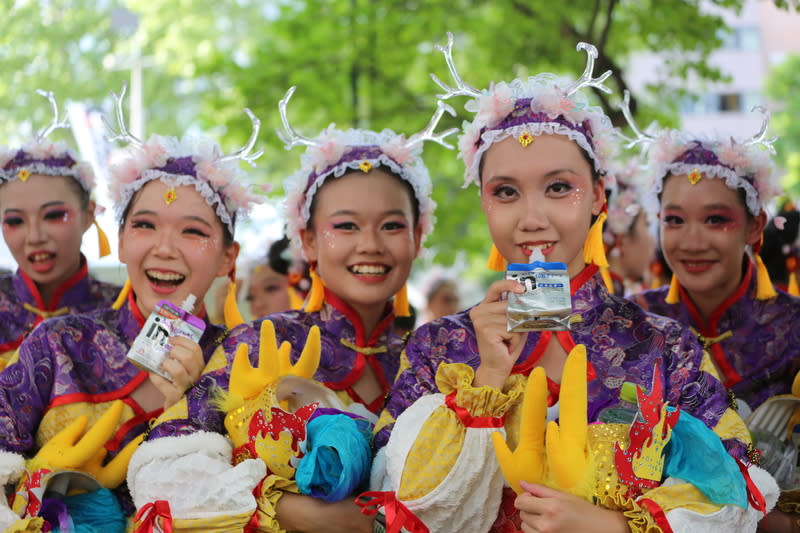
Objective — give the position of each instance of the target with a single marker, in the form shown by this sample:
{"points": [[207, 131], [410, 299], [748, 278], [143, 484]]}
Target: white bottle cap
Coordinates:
{"points": [[537, 255], [188, 303]]}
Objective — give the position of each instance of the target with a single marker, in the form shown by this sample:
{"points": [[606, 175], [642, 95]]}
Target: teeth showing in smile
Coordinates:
{"points": [[697, 264], [541, 247], [41, 257], [169, 277], [369, 270]]}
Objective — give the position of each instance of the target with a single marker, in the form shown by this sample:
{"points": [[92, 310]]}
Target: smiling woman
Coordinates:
{"points": [[177, 202], [46, 207]]}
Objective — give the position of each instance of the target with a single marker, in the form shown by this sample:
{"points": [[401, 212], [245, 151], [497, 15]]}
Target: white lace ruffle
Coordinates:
{"points": [[194, 474], [81, 173], [468, 498], [651, 198], [490, 137], [742, 156], [730, 517], [127, 190]]}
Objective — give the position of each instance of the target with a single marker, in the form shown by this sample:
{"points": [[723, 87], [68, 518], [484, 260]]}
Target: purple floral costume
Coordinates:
{"points": [[755, 344], [624, 343], [76, 365], [346, 351], [22, 307]]}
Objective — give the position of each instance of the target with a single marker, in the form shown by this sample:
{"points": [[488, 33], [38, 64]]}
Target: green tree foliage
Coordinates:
{"points": [[782, 88], [357, 63]]}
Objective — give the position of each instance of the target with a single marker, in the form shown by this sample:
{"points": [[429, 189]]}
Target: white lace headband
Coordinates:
{"points": [[197, 162], [335, 152], [41, 156]]}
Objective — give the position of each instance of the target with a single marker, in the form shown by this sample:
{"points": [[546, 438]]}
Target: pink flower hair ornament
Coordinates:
{"points": [[335, 152], [544, 104], [743, 164], [41, 156], [198, 162]]}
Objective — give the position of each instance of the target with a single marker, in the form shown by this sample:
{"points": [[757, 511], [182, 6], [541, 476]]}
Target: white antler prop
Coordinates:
{"points": [[291, 138], [461, 88], [428, 134], [586, 79], [55, 123]]}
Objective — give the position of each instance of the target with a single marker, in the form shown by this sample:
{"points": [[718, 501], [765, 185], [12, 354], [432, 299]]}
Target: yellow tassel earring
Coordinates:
{"points": [[594, 249], [496, 261], [401, 307], [607, 279], [764, 287], [230, 311], [791, 266], [122, 296], [316, 295], [295, 301], [674, 293], [102, 241]]}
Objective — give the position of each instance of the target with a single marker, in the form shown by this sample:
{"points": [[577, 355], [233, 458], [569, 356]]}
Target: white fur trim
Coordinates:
{"points": [[730, 517], [468, 498], [12, 465], [210, 444], [194, 474]]}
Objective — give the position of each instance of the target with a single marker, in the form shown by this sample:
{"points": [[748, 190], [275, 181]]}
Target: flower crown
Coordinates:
{"points": [[742, 164], [40, 156], [334, 152], [190, 161], [544, 104], [625, 198]]}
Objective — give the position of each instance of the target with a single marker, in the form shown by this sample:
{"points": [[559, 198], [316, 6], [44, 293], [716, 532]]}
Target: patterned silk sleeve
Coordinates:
{"points": [[25, 391]]}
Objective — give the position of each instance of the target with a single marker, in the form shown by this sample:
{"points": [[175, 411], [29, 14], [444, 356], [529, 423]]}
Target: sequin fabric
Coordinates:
{"points": [[762, 356]]}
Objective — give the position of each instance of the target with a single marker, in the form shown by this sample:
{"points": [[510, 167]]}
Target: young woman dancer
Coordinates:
{"points": [[46, 204], [537, 150], [710, 194]]}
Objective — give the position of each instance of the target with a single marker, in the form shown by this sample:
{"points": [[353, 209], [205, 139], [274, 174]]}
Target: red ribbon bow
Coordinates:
{"points": [[397, 515], [754, 496], [147, 518]]}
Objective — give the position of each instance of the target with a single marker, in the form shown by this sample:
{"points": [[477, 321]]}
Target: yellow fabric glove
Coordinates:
{"points": [[70, 449], [566, 446], [556, 456], [527, 462]]}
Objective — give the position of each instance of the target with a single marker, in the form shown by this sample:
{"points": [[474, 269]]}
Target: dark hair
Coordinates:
{"points": [[775, 241], [227, 236], [83, 195], [406, 184], [275, 258]]}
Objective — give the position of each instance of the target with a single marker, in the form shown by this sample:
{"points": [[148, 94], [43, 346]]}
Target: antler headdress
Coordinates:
{"points": [[42, 156], [742, 163], [334, 152], [542, 104], [197, 162]]}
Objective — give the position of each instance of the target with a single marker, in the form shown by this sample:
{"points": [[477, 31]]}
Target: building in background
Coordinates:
{"points": [[760, 36]]}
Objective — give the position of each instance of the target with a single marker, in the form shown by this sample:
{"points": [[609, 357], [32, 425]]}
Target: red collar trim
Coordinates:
{"points": [[137, 313], [351, 314], [80, 274], [716, 315], [580, 280]]}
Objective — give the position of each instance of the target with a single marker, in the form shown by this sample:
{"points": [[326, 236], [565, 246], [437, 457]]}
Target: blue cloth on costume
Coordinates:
{"points": [[90, 512], [338, 459], [696, 454]]}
